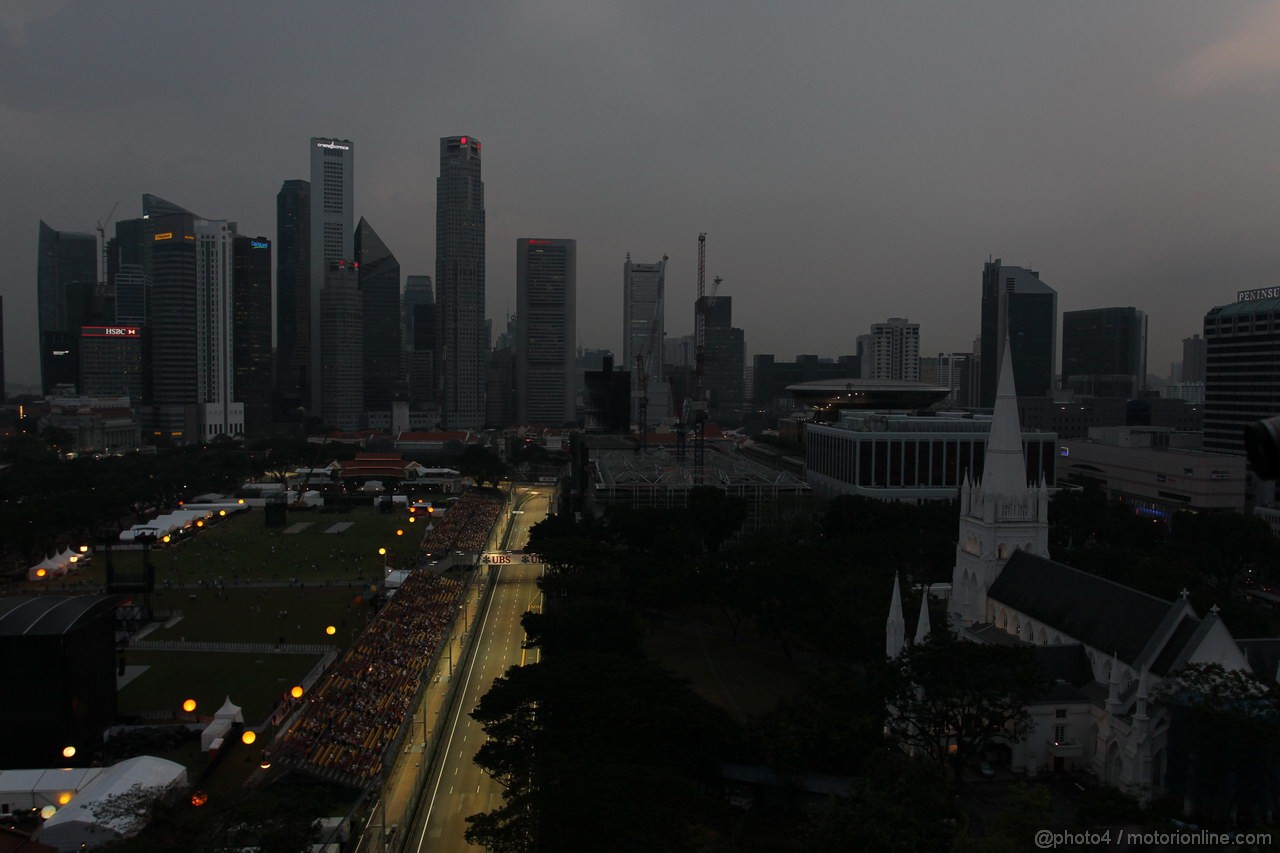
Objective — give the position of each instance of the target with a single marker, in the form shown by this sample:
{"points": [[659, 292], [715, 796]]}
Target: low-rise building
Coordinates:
{"points": [[1157, 471]]}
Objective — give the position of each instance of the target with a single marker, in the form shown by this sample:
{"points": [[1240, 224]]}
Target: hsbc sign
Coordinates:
{"points": [[110, 331]]}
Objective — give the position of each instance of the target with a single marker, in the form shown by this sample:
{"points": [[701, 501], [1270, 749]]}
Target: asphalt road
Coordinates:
{"points": [[458, 787]]}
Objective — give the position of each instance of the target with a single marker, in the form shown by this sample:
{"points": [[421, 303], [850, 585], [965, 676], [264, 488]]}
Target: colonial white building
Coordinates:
{"points": [[1104, 647]]}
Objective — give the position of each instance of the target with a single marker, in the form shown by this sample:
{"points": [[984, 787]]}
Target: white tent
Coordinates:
{"points": [[223, 719], [75, 824]]}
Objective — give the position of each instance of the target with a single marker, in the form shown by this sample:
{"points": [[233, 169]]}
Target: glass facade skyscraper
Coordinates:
{"points": [[1018, 305], [461, 343], [380, 295], [1104, 352], [251, 330], [66, 282]]}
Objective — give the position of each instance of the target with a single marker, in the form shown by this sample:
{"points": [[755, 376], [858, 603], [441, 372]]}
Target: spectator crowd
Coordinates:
{"points": [[467, 526]]}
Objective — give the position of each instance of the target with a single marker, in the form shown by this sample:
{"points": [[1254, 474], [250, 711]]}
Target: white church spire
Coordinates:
{"points": [[895, 629], [922, 624], [1005, 469]]}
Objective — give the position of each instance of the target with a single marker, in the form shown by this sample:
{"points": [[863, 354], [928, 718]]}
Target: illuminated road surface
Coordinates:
{"points": [[459, 788]]}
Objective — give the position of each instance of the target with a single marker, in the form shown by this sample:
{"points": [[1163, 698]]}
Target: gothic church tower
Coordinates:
{"points": [[999, 513]]}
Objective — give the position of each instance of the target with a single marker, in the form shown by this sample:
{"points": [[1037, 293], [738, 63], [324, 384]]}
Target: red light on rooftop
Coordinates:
{"points": [[463, 141]]}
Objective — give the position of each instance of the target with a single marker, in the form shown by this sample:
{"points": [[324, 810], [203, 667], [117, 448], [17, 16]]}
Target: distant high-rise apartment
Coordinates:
{"points": [[1104, 352], [341, 347], [723, 361], [251, 330], [293, 296], [461, 341], [1242, 373], [66, 282], [332, 228], [892, 351], [546, 323], [380, 293], [1194, 354], [643, 331], [1017, 304]]}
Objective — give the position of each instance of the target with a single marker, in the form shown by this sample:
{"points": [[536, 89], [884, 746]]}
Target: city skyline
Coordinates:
{"points": [[1115, 179]]}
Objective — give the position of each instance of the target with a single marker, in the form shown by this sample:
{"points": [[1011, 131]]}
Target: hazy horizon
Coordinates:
{"points": [[848, 164]]}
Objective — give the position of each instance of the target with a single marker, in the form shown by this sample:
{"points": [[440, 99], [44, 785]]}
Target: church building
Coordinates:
{"points": [[1104, 647]]}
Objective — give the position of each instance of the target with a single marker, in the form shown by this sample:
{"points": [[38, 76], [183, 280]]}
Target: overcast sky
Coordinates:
{"points": [[848, 161]]}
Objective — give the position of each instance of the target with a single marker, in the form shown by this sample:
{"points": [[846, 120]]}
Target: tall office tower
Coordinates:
{"points": [[293, 297], [1242, 373], [500, 387], [1194, 354], [251, 330], [546, 331], [66, 281], [1016, 303], [419, 339], [643, 332], [332, 229], [380, 292], [461, 340], [723, 361], [892, 351], [341, 347], [192, 319], [1104, 352], [129, 271]]}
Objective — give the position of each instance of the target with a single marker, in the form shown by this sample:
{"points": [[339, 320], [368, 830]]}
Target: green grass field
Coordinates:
{"points": [[253, 681], [242, 547], [252, 614]]}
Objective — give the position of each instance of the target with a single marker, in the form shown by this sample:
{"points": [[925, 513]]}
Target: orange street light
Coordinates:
{"points": [[296, 692], [166, 538], [382, 552], [200, 523], [248, 737], [222, 512], [84, 549], [189, 705], [68, 752], [412, 519], [41, 572], [400, 532], [64, 798], [330, 630], [241, 501]]}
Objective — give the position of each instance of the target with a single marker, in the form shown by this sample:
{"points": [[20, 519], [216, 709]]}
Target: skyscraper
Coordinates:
{"points": [[380, 294], [193, 382], [419, 340], [332, 229], [1104, 352], [643, 331], [1242, 375], [293, 296], [546, 323], [341, 347], [1017, 304], [892, 351], [461, 343], [66, 281], [251, 330]]}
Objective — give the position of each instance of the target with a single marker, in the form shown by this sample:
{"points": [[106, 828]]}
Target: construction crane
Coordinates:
{"points": [[698, 406], [102, 236]]}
